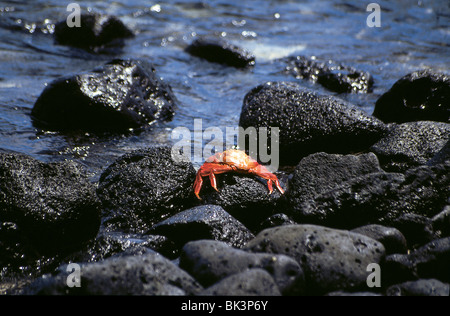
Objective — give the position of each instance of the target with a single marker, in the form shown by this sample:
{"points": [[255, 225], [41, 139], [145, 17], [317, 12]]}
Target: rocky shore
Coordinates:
{"points": [[362, 192]]}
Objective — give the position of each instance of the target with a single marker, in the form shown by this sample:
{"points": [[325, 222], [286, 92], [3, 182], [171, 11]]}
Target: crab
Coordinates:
{"points": [[233, 160]]}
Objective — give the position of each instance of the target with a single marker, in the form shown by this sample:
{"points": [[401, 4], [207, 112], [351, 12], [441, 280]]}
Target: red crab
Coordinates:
{"points": [[233, 160]]}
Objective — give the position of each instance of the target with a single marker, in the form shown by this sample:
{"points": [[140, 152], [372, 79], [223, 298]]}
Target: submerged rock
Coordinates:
{"points": [[222, 52], [96, 32], [333, 76], [115, 97], [308, 122], [418, 96]]}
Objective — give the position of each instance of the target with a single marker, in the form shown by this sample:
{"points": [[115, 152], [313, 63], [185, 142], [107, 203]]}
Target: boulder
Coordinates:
{"points": [[252, 282], [308, 122], [47, 208], [331, 259], [210, 261], [147, 274], [411, 144], [96, 33], [220, 51], [330, 74], [203, 222], [419, 96], [144, 186], [116, 97]]}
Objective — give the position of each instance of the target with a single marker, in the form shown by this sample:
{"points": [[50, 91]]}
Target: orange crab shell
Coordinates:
{"points": [[233, 160]]}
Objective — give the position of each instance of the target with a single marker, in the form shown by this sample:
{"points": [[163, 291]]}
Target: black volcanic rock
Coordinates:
{"points": [[45, 208], [411, 144], [203, 222], [146, 274], [96, 32], [308, 122], [333, 76], [144, 186], [419, 96], [331, 259], [221, 51], [115, 97]]}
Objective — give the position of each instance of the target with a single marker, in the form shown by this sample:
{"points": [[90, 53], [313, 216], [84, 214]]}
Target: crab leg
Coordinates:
{"points": [[262, 171], [209, 169]]}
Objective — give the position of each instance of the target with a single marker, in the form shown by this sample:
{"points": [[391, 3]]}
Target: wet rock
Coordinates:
{"points": [[430, 261], [147, 274], [357, 202], [46, 208], [441, 222], [253, 282], [108, 244], [418, 229], [276, 220], [418, 96], [397, 268], [411, 144], [429, 287], [380, 198], [333, 76], [308, 122], [442, 156], [210, 261], [245, 197], [222, 52], [144, 186], [391, 238], [321, 172], [116, 97], [331, 259], [203, 222], [96, 33]]}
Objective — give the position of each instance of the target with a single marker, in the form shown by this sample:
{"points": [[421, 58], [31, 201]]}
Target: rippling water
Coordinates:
{"points": [[413, 35]]}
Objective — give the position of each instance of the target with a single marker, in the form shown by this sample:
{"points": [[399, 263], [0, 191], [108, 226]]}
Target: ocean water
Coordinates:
{"points": [[413, 35]]}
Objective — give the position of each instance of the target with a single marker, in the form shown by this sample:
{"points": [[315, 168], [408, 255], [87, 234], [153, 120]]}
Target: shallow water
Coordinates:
{"points": [[413, 35]]}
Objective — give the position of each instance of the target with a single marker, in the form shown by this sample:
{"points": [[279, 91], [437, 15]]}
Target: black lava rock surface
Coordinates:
{"points": [[330, 74], [210, 261], [308, 122], [411, 144], [419, 96], [203, 222], [146, 274], [221, 51], [97, 33], [116, 97], [46, 208], [144, 186], [331, 259]]}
